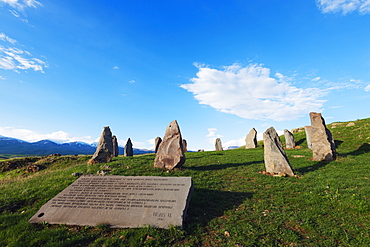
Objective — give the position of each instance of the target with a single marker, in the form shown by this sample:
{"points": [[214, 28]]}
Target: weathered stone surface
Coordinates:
{"points": [[129, 151], [104, 150], [276, 160], [115, 146], [157, 141], [308, 130], [323, 146], [251, 139], [185, 145], [170, 153], [289, 139], [218, 145], [119, 202]]}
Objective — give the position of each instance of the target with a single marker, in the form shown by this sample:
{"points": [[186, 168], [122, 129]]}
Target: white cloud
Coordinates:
{"points": [[2, 78], [21, 4], [367, 88], [249, 92], [316, 79], [16, 59], [115, 67], [239, 142], [344, 6], [212, 136], [6, 38], [132, 81]]}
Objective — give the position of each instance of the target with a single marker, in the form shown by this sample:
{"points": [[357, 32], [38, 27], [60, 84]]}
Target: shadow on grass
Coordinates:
{"points": [[298, 143], [337, 143], [318, 165], [363, 149], [206, 205], [222, 166]]}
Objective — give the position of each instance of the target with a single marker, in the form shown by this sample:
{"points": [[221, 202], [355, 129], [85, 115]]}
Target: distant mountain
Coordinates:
{"points": [[12, 146]]}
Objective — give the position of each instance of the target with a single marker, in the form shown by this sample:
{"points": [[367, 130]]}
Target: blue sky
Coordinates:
{"points": [[220, 68]]}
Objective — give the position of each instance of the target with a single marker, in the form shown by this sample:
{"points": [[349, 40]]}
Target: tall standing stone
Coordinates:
{"points": [[157, 141], [308, 130], [218, 145], [323, 146], [275, 158], [115, 146], [289, 139], [104, 150], [185, 145], [251, 139], [128, 152], [170, 153]]}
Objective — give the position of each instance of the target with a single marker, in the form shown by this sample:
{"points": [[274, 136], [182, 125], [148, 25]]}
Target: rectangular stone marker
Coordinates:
{"points": [[120, 202]]}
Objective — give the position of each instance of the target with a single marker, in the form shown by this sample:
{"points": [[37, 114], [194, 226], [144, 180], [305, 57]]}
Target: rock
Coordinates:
{"points": [[323, 146], [308, 130], [185, 145], [276, 161], [34, 168], [115, 146], [128, 152], [102, 172], [104, 150], [218, 145], [251, 139], [77, 174], [170, 153], [157, 141], [350, 124], [289, 139]]}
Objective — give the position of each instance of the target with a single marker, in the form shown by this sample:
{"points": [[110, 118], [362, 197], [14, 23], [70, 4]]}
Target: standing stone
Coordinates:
{"points": [[218, 145], [323, 146], [104, 150], [308, 130], [170, 153], [251, 139], [157, 141], [128, 152], [185, 145], [115, 146], [276, 160], [289, 139]]}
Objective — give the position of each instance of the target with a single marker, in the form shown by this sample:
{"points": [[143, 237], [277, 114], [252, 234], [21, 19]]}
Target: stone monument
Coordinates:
{"points": [[323, 146], [170, 153], [128, 152], [218, 145], [115, 146], [185, 145], [308, 130], [251, 139], [104, 150], [157, 141], [276, 161], [289, 139]]}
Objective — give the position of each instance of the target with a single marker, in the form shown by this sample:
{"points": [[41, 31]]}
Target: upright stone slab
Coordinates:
{"points": [[218, 145], [104, 150], [308, 130], [170, 153], [275, 158], [289, 139], [157, 141], [185, 145], [251, 139], [323, 146], [129, 151], [119, 202], [115, 146]]}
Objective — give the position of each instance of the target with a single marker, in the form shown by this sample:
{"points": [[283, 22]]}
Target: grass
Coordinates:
{"points": [[328, 204]]}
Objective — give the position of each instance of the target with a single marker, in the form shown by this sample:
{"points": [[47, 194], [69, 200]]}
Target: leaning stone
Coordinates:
{"points": [[323, 146], [275, 158], [128, 152], [115, 146], [170, 153], [289, 139], [104, 150], [218, 145], [185, 145], [157, 141], [251, 139], [308, 130]]}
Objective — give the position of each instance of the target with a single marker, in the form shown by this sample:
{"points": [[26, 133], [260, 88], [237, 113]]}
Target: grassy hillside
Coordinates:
{"points": [[232, 204]]}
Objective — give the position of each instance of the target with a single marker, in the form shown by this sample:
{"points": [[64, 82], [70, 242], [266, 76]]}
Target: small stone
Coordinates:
{"points": [[115, 146], [104, 150], [350, 124], [128, 152], [289, 139], [251, 139], [218, 145]]}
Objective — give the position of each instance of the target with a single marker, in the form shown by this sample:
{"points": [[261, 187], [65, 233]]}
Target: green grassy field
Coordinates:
{"points": [[328, 204]]}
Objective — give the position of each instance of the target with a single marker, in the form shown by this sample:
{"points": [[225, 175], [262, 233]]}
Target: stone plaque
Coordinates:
{"points": [[120, 202]]}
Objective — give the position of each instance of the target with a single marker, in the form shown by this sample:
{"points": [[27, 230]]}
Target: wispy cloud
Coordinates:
{"points": [[15, 59], [344, 6], [115, 67], [21, 4], [251, 93], [3, 37], [367, 88], [211, 136]]}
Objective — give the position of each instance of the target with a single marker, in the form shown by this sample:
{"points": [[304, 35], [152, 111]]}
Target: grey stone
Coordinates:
{"points": [[157, 141], [251, 139], [218, 145], [308, 130], [185, 145], [129, 151], [276, 161], [115, 146], [104, 150], [119, 202], [170, 153], [289, 139], [323, 146]]}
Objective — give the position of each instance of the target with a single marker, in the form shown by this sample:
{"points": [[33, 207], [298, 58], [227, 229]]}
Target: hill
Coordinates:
{"points": [[327, 204]]}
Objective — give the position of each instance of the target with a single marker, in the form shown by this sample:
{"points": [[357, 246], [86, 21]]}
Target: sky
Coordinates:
{"points": [[220, 68]]}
